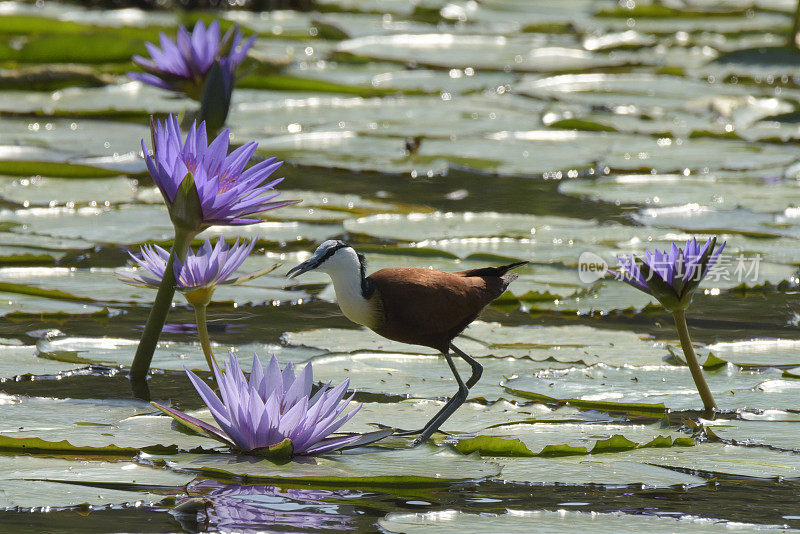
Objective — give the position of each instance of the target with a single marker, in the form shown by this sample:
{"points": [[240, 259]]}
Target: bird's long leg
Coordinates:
{"points": [[477, 369], [442, 410], [453, 404], [448, 409], [458, 399]]}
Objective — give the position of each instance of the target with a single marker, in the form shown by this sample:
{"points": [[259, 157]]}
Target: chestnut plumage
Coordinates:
{"points": [[412, 305], [429, 307]]}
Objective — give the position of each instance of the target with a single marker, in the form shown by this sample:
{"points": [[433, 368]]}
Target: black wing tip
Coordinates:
{"points": [[506, 268]]}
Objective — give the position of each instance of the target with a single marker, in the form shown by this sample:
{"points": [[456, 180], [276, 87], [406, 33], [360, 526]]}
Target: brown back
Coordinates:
{"points": [[430, 308]]}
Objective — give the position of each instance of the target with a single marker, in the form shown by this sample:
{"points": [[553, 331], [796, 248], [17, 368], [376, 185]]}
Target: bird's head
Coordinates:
{"points": [[331, 256]]}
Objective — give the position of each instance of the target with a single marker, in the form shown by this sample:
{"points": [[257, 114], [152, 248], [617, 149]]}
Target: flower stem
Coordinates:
{"points": [[691, 359], [205, 341], [793, 40], [160, 309]]}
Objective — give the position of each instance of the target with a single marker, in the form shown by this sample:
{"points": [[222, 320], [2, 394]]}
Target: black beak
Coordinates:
{"points": [[300, 269]]}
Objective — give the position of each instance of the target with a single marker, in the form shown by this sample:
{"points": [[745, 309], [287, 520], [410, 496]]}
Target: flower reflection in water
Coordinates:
{"points": [[259, 508], [191, 328]]}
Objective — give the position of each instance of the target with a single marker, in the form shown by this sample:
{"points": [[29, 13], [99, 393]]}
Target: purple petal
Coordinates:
{"points": [[195, 424]]}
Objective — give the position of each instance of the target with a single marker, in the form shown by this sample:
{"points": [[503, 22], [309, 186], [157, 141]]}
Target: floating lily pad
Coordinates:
{"points": [[85, 427], [377, 467], [695, 218], [30, 482], [41, 191], [416, 375], [732, 388], [570, 438], [33, 304], [713, 458], [77, 142], [755, 194], [773, 433], [100, 285], [27, 160], [350, 25], [471, 418], [455, 521], [758, 352], [168, 355], [22, 359], [628, 89], [374, 78], [416, 226], [315, 120], [726, 21], [142, 223], [566, 344], [523, 53], [124, 101]]}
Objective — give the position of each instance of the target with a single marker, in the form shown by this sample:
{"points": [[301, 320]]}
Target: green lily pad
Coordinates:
{"points": [[758, 352], [566, 344], [574, 467], [377, 467], [42, 191], [23, 359], [695, 218], [455, 521], [313, 121], [550, 438], [678, 190], [125, 101], [142, 223], [374, 78], [517, 53], [471, 418], [638, 89], [30, 482], [27, 161], [168, 355], [73, 147], [491, 446], [777, 433], [100, 285], [72, 427], [732, 387], [32, 304], [417, 375]]}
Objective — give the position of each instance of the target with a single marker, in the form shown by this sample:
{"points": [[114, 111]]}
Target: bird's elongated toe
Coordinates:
{"points": [[419, 441]]}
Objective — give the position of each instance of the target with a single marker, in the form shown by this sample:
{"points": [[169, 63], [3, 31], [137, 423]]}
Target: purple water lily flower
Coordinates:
{"points": [[272, 407], [671, 276], [183, 65], [208, 267], [202, 184]]}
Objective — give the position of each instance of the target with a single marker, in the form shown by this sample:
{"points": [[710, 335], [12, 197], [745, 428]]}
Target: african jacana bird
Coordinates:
{"points": [[412, 305]]}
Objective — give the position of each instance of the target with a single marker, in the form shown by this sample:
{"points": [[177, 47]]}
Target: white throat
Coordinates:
{"points": [[344, 269]]}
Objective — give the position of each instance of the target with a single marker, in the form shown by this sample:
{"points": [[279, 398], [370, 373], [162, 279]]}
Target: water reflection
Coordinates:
{"points": [[191, 328], [254, 508]]}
